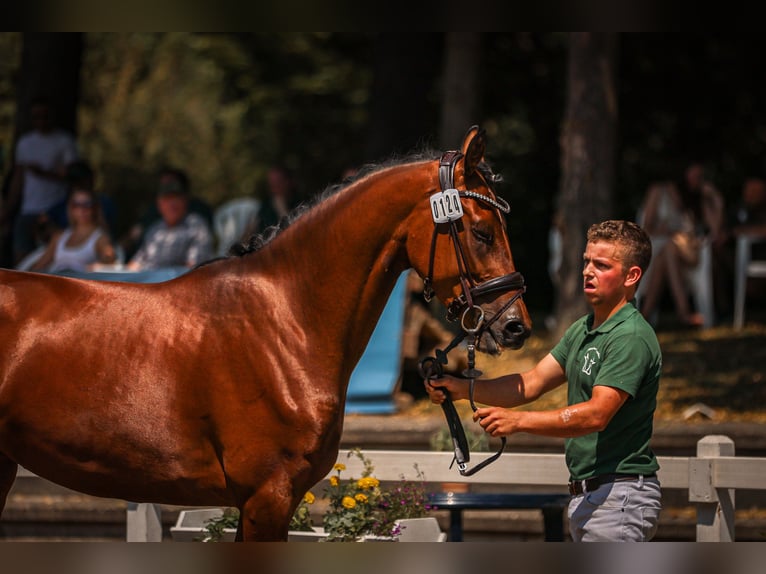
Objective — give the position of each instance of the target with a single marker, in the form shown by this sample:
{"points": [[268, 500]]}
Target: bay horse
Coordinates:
{"points": [[226, 386]]}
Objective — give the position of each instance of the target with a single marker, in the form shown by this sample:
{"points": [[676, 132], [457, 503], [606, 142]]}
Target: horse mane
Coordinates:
{"points": [[256, 242]]}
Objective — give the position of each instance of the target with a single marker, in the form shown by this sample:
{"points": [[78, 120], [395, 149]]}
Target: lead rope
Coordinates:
{"points": [[432, 367]]}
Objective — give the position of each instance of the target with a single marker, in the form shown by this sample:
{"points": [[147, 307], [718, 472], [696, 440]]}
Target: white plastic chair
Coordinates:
{"points": [[31, 259], [231, 220], [745, 267]]}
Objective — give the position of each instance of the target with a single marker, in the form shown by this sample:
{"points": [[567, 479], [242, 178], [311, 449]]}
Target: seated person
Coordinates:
{"points": [[678, 222], [131, 241], [84, 243], [181, 238]]}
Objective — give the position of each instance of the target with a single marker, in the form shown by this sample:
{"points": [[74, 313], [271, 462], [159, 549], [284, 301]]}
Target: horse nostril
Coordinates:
{"points": [[515, 330]]}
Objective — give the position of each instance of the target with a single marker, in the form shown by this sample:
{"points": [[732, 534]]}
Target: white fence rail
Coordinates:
{"points": [[711, 479]]}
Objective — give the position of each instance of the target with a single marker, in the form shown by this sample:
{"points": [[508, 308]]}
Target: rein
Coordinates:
{"points": [[447, 209]]}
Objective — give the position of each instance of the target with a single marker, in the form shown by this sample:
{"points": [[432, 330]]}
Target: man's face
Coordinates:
{"points": [[603, 274], [172, 208]]}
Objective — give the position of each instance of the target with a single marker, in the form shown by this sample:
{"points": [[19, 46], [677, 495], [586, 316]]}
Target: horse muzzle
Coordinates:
{"points": [[510, 333], [500, 329]]}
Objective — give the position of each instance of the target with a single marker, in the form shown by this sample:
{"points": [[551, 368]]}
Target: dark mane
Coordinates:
{"points": [[258, 241]]}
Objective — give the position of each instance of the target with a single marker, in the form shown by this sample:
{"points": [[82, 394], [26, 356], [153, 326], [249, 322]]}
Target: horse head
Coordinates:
{"points": [[460, 246]]}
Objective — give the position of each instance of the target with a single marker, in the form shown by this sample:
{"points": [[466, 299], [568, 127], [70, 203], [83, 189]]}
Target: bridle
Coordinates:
{"points": [[447, 209]]}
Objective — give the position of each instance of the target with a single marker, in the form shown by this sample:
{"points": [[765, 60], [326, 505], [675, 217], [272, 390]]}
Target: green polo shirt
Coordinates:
{"points": [[622, 353]]}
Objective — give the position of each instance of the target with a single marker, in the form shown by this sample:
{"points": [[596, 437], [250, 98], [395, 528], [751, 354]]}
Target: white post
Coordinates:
{"points": [[741, 261], [144, 522], [715, 506]]}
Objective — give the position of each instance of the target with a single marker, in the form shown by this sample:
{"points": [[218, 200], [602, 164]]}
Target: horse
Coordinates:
{"points": [[226, 386]]}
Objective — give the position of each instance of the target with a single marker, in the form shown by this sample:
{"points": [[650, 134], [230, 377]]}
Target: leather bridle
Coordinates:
{"points": [[447, 210]]}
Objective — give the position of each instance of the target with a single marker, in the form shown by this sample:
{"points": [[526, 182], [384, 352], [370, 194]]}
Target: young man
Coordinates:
{"points": [[611, 361]]}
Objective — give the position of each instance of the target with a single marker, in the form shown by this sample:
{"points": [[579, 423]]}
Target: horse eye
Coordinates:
{"points": [[483, 235]]}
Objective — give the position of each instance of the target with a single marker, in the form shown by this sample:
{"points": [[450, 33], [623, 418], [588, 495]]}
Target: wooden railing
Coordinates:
{"points": [[711, 478]]}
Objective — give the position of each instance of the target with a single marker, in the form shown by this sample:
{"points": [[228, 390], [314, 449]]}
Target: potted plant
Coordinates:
{"points": [[358, 509]]}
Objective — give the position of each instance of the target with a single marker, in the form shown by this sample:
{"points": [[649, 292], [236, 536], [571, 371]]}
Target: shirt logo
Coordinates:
{"points": [[591, 356]]}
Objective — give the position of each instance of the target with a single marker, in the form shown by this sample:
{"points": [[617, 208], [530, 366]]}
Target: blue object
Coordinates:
{"points": [[147, 276], [376, 376]]}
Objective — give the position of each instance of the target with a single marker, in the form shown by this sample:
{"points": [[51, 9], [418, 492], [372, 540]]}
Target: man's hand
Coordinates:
{"points": [[497, 421], [458, 389]]}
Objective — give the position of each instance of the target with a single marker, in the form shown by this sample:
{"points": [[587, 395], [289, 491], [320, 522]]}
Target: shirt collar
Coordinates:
{"points": [[627, 310]]}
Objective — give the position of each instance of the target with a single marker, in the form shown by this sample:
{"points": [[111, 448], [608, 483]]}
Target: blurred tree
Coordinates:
{"points": [[403, 110], [50, 68], [587, 157], [460, 86], [224, 107]]}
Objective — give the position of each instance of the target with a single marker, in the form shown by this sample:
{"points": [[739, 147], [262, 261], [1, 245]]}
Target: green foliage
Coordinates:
{"points": [[301, 519], [214, 528], [222, 106]]}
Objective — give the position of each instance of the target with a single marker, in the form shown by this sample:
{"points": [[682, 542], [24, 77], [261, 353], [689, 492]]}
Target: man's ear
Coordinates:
{"points": [[632, 276]]}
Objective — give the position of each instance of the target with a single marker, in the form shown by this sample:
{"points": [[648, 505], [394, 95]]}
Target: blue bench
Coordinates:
{"points": [[552, 506], [376, 375]]}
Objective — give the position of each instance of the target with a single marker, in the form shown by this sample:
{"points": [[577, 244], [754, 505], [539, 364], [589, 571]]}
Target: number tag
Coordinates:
{"points": [[446, 206]]}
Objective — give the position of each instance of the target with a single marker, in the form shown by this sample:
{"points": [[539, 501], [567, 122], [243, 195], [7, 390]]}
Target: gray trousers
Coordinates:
{"points": [[626, 511]]}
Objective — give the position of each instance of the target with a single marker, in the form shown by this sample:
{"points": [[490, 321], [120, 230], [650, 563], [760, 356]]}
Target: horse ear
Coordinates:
{"points": [[474, 144]]}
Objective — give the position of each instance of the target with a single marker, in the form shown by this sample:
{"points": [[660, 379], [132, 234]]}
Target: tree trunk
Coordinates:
{"points": [[587, 151], [50, 68], [401, 112], [460, 86]]}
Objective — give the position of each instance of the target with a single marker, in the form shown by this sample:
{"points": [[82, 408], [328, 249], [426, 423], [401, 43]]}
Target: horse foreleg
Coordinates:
{"points": [[8, 470], [265, 516]]}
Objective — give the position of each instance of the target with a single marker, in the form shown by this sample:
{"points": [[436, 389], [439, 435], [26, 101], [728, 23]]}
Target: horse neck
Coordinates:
{"points": [[347, 253]]}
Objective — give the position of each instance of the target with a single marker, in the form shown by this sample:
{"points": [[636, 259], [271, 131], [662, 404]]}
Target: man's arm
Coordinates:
{"points": [[570, 421], [506, 391]]}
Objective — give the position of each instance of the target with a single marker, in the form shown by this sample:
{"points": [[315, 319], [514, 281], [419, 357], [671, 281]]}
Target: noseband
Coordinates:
{"points": [[447, 209]]}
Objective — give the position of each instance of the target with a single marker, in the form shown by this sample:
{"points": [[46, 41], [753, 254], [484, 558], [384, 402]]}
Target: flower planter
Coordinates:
{"points": [[315, 535], [420, 530], [411, 530], [190, 527]]}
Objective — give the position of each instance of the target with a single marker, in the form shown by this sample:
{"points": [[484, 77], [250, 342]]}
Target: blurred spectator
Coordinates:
{"points": [[131, 241], [181, 237], [708, 205], [39, 178], [282, 197], [79, 175], [84, 242], [679, 223]]}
